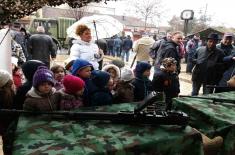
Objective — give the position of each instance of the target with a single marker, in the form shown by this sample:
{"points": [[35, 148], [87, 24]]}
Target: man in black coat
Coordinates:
{"points": [[170, 48], [209, 65], [40, 46]]}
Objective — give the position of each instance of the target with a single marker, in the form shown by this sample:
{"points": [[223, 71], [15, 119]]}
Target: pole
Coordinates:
{"points": [[96, 32], [185, 27]]}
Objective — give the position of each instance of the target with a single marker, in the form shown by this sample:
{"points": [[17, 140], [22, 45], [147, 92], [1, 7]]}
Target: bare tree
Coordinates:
{"points": [[148, 10], [77, 13], [176, 24]]}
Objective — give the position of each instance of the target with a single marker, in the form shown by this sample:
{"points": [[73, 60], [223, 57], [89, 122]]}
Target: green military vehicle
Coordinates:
{"points": [[55, 27]]}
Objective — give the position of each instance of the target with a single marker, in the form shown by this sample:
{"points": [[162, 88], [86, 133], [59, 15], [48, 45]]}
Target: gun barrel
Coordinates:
{"points": [[211, 98], [125, 117]]}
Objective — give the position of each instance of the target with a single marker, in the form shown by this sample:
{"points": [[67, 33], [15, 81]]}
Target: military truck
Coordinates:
{"points": [[56, 27]]}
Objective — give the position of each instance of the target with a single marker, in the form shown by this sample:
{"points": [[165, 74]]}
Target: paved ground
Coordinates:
{"points": [[185, 79]]}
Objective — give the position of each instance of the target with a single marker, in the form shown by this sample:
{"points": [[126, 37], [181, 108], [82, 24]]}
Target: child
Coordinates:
{"points": [[6, 90], [6, 101], [114, 72], [59, 73], [71, 95], [16, 72], [82, 69], [28, 68], [124, 88], [142, 84], [68, 63], [98, 89], [40, 96], [166, 80]]}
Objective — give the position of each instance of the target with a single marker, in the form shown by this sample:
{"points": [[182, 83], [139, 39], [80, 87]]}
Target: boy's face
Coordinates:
{"points": [[171, 68], [85, 72], [112, 72], [110, 84], [59, 74], [45, 87], [146, 73]]}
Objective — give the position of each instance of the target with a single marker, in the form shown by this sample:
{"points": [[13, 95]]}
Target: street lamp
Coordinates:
{"points": [[186, 15]]}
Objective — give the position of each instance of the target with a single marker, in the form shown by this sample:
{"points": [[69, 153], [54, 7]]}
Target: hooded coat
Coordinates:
{"points": [[36, 101], [142, 48], [107, 67], [142, 85], [98, 91], [79, 64]]}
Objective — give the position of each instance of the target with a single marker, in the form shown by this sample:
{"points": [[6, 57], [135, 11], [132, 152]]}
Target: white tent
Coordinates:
{"points": [[5, 50]]}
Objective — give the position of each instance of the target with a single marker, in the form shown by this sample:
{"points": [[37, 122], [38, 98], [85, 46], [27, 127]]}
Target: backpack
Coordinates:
{"points": [[155, 48]]}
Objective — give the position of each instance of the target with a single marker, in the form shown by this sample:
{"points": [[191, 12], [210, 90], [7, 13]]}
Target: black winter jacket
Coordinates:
{"points": [[209, 66]]}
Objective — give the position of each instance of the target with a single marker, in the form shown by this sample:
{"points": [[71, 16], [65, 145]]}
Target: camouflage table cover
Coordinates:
{"points": [[40, 135], [212, 118]]}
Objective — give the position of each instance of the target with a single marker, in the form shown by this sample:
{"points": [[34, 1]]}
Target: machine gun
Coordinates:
{"points": [[138, 116], [222, 101]]}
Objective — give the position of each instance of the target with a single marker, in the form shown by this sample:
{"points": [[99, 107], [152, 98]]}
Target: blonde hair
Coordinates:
{"points": [[176, 32], [81, 29]]}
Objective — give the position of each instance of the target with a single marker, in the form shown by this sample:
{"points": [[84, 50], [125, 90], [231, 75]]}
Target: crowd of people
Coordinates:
{"points": [[85, 82]]}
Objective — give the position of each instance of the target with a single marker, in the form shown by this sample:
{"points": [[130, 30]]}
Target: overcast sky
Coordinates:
{"points": [[221, 12]]}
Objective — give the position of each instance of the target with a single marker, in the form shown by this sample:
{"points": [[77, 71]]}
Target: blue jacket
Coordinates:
{"points": [[80, 64], [127, 44]]}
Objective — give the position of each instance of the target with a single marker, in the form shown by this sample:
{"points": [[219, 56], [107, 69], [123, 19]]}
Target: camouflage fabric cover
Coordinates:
{"points": [[212, 119], [42, 135]]}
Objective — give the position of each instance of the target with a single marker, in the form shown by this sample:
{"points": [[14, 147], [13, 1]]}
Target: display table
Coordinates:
{"points": [[41, 135], [212, 118]]}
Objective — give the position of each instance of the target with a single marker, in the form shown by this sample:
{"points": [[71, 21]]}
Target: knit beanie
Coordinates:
{"points": [[127, 74], [43, 74], [73, 84], [4, 77]]}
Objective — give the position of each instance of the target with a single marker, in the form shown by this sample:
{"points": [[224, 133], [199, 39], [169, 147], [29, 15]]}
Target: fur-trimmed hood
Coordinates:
{"points": [[106, 67]]}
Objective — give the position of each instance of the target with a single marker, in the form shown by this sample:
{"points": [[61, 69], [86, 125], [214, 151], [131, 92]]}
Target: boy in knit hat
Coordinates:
{"points": [[124, 88], [71, 95], [166, 80], [142, 84], [40, 96]]}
